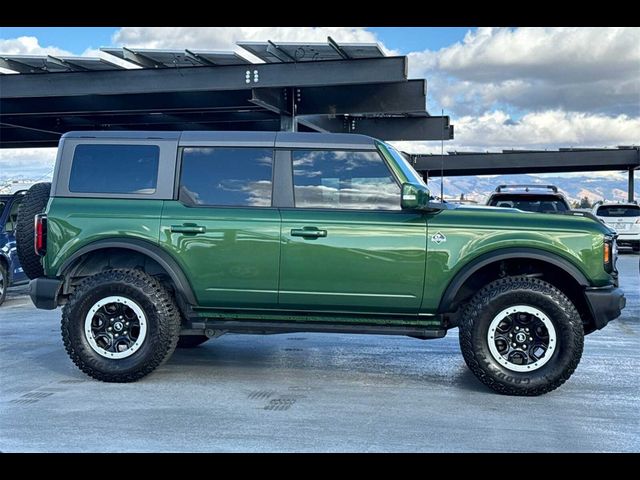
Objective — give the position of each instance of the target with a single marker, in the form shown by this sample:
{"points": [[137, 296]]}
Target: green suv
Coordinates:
{"points": [[152, 240]]}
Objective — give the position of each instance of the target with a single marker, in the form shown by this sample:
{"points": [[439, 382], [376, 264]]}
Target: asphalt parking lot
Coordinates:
{"points": [[312, 392]]}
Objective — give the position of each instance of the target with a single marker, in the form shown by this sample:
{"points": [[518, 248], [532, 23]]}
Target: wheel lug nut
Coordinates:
{"points": [[531, 339], [117, 335], [513, 344], [127, 323], [526, 329], [524, 346], [511, 334], [517, 328], [109, 328]]}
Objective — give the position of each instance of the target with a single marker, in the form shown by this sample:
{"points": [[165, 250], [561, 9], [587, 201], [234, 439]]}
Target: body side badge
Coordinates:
{"points": [[438, 238]]}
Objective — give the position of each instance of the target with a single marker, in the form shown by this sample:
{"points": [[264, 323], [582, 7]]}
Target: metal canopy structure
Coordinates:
{"points": [[311, 52], [147, 58], [340, 88], [531, 161], [49, 64]]}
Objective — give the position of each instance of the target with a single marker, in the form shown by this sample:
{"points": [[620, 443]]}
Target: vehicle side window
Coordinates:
{"points": [[115, 169], [12, 218], [344, 180], [220, 176]]}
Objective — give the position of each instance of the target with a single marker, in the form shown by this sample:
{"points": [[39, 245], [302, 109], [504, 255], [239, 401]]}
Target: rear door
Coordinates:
{"points": [[222, 228], [346, 245]]}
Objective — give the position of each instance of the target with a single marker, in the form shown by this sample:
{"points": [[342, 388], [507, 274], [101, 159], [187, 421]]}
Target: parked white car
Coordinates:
{"points": [[624, 218]]}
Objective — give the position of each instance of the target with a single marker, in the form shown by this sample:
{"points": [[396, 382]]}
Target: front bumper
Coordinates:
{"points": [[44, 292], [605, 304]]}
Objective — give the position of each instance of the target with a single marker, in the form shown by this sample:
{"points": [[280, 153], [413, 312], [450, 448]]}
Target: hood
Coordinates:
{"points": [[501, 216]]}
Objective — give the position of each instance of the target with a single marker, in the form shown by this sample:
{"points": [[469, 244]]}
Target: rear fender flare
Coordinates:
{"points": [[166, 261]]}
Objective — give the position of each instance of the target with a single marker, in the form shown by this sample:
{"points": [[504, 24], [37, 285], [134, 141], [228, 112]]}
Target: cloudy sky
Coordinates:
{"points": [[503, 87]]}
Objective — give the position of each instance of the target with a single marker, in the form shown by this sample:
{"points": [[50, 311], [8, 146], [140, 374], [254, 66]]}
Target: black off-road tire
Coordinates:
{"points": [[163, 324], [4, 282], [191, 341], [34, 202], [501, 294]]}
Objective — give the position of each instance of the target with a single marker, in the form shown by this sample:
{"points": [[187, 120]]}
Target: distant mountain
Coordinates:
{"points": [[612, 187]]}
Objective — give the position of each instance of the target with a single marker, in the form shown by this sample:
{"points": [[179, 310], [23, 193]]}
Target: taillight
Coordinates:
{"points": [[40, 237]]}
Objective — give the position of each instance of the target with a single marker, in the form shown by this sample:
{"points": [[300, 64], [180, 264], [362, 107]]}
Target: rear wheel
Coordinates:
{"points": [[119, 325], [191, 341], [521, 336], [4, 283], [34, 202]]}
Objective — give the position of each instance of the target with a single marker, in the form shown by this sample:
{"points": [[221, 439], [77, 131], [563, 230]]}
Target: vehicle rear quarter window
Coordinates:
{"points": [[619, 211], [129, 169], [343, 180], [221, 176]]}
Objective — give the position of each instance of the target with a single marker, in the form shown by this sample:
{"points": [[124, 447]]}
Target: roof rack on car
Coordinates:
{"points": [[499, 188]]}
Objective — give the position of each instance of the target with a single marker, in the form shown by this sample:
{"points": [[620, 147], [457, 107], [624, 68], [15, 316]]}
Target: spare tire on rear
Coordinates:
{"points": [[34, 202]]}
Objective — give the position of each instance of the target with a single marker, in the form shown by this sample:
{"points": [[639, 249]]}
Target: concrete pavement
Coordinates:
{"points": [[313, 392]]}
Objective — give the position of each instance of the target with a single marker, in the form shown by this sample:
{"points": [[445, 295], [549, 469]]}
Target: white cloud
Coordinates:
{"points": [[503, 53], [28, 46], [579, 69], [550, 129]]}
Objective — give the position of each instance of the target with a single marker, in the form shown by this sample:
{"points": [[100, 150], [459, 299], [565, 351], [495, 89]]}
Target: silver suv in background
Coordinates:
{"points": [[624, 218]]}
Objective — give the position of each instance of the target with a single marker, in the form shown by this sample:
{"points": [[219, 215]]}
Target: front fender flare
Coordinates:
{"points": [[503, 254]]}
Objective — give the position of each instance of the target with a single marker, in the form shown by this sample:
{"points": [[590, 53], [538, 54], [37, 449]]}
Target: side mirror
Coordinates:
{"points": [[415, 197]]}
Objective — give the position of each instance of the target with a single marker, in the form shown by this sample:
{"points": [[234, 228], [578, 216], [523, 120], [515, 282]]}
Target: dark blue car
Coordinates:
{"points": [[10, 270]]}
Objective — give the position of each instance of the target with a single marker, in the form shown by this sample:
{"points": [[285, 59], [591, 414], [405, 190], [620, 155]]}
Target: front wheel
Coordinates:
{"points": [[521, 336], [119, 325]]}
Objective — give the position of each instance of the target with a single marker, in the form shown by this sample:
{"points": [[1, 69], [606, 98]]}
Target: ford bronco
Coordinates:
{"points": [[152, 240]]}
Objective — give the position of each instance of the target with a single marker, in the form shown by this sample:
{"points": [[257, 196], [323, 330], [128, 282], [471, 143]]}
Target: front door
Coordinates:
{"points": [[347, 246], [223, 230]]}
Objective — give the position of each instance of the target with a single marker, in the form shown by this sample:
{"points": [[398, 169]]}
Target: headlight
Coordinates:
{"points": [[610, 253]]}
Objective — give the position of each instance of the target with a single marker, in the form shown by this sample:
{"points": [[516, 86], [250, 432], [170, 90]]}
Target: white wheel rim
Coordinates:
{"points": [[134, 345], [522, 348]]}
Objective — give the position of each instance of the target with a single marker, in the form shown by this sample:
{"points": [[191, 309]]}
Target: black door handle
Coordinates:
{"points": [[193, 229], [308, 232]]}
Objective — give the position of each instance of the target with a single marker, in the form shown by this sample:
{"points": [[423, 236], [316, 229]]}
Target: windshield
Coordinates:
{"points": [[619, 211], [405, 166], [530, 203]]}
